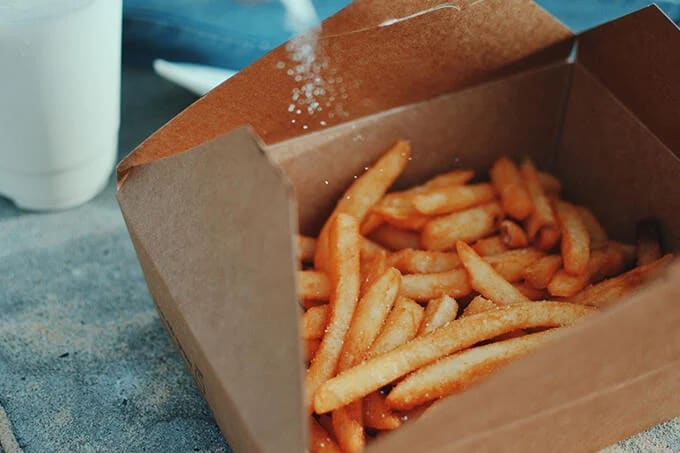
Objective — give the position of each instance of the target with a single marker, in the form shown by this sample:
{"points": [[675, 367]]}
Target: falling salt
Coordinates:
{"points": [[323, 123], [304, 126], [280, 65], [291, 107], [325, 181]]}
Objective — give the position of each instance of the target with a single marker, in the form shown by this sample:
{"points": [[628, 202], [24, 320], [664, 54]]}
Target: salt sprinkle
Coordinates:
{"points": [[325, 181], [280, 65]]}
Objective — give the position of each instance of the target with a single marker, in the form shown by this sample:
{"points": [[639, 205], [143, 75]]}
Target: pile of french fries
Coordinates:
{"points": [[412, 296]]}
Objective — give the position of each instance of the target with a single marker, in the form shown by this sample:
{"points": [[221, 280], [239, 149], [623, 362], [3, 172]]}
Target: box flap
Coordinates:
{"points": [[204, 221], [375, 55], [638, 58]]}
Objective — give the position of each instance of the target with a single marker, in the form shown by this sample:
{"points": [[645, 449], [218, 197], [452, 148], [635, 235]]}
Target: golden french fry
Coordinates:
{"points": [[575, 238], [610, 291], [401, 326], [343, 270], [313, 285], [602, 263], [369, 248], [374, 373], [310, 348], [453, 198], [370, 223], [598, 236], [542, 216], [507, 181], [410, 261], [648, 241], [510, 265], [438, 312], [441, 233], [319, 439], [396, 238], [548, 238], [397, 209], [550, 183], [370, 268], [376, 413], [478, 305], [485, 279], [348, 427], [305, 248], [513, 235], [452, 178], [457, 372], [530, 292], [364, 192], [314, 322], [424, 287], [490, 246], [539, 273]]}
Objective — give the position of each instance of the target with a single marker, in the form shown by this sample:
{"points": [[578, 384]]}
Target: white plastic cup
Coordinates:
{"points": [[59, 100]]}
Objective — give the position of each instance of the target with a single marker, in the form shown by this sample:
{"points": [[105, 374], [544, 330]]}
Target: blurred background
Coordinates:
{"points": [[85, 364]]}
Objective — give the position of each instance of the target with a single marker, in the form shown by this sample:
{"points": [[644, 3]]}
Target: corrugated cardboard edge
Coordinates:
{"points": [[202, 226], [437, 53]]}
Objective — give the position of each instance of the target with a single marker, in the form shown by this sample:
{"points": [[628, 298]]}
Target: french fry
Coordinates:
{"points": [[374, 373], [397, 209], [370, 269], [598, 236], [575, 238], [453, 198], [369, 248], [401, 326], [343, 269], [305, 248], [484, 279], [376, 413], [395, 238], [507, 181], [510, 265], [410, 261], [540, 272], [438, 312], [314, 322], [424, 287], [490, 246], [478, 305], [530, 292], [648, 241], [452, 178], [313, 285], [370, 223], [457, 372], [602, 263], [310, 348], [550, 183], [348, 427], [513, 235], [542, 215], [548, 238], [319, 439], [471, 224], [610, 291], [364, 192]]}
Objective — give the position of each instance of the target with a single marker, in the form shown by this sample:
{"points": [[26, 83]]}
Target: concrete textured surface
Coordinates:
{"points": [[85, 364]]}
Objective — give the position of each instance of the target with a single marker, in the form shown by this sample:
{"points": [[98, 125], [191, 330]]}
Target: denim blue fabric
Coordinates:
{"points": [[234, 33]]}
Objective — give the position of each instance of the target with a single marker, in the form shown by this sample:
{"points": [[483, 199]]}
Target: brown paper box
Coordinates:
{"points": [[211, 210]]}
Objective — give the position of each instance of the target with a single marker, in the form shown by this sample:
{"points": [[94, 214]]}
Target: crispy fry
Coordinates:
{"points": [[510, 265], [370, 223], [648, 241], [438, 312], [507, 181], [313, 285], [540, 272], [369, 248], [401, 326], [471, 224], [310, 348], [376, 413], [575, 238], [319, 439], [343, 268], [374, 373], [478, 305], [305, 248], [550, 183], [485, 279], [548, 238], [453, 198], [602, 263], [542, 216], [431, 286], [457, 372], [530, 292], [370, 269], [490, 246], [397, 209], [364, 192], [396, 238], [513, 235], [598, 236], [452, 178], [314, 322], [410, 261], [349, 428], [610, 291]]}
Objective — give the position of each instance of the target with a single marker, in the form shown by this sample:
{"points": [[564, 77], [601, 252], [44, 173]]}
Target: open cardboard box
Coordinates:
{"points": [[213, 226]]}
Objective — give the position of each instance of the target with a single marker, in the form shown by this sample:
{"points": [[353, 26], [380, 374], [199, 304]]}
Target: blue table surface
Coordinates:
{"points": [[85, 364]]}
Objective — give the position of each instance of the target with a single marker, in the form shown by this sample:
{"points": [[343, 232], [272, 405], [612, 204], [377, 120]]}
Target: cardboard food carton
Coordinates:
{"points": [[212, 207]]}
